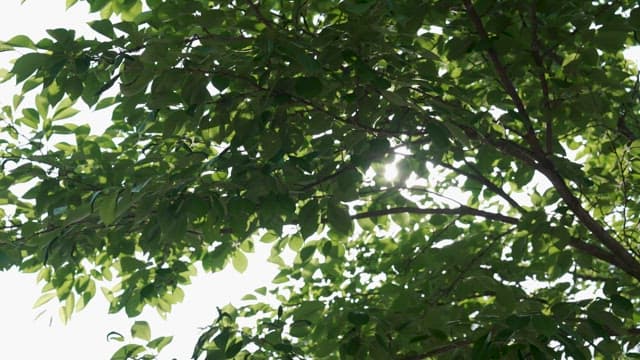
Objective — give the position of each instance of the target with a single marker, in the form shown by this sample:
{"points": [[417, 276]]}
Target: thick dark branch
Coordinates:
{"points": [[536, 158], [461, 210], [619, 256], [440, 350], [595, 251], [507, 84], [623, 259]]}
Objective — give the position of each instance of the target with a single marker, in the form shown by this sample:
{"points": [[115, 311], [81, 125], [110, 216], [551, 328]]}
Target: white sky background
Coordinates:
{"points": [[25, 337]]}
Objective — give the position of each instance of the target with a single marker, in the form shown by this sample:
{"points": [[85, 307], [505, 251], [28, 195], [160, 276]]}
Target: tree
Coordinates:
{"points": [[512, 125]]}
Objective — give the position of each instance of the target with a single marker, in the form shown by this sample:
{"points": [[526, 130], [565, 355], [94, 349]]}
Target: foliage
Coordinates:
{"points": [[513, 127]]}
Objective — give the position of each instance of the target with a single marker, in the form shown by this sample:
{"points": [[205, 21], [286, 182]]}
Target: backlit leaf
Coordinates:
{"points": [[141, 330], [239, 261]]}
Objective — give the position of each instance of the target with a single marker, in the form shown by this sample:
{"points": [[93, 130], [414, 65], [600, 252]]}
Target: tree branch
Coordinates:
{"points": [[461, 210], [623, 259], [619, 256], [440, 350], [505, 81], [463, 272], [259, 14], [590, 277], [595, 251], [478, 177], [328, 177]]}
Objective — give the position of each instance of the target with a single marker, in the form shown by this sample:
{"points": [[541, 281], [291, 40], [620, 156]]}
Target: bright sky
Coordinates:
{"points": [[25, 336]]}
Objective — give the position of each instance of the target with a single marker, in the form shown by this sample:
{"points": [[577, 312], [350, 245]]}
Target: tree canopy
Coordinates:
{"points": [[513, 128]]}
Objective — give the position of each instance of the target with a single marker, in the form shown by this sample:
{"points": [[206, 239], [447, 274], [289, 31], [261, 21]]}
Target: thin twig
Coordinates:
{"points": [[328, 177], [478, 177], [440, 350], [461, 210], [259, 14]]}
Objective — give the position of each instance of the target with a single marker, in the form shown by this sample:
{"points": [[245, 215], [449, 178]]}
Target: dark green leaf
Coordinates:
{"points": [[104, 27], [339, 218], [27, 65], [308, 87], [308, 218]]}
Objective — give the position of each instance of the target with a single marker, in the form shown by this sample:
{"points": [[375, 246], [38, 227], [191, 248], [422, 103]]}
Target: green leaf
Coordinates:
{"points": [[544, 324], [295, 243], [31, 118], [357, 7], [358, 318], [610, 40], [609, 347], [4, 47], [141, 330], [233, 349], [128, 352], [308, 87], [107, 207], [42, 104], [104, 103], [43, 299], [308, 218], [517, 322], [308, 310], [239, 261], [300, 329], [307, 252], [67, 309], [114, 335], [160, 342], [339, 218], [27, 65], [63, 36], [70, 3], [104, 27], [271, 144], [622, 306], [130, 13], [606, 319], [22, 41], [216, 259], [220, 82]]}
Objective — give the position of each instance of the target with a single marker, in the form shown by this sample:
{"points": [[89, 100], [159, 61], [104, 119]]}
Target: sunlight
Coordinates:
{"points": [[390, 171]]}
